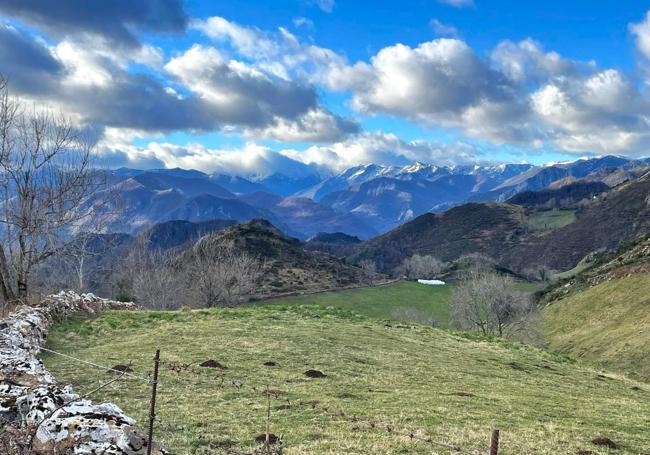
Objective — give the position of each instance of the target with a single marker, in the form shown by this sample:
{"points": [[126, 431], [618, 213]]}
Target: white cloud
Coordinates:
{"points": [[252, 160], [457, 3], [641, 32], [303, 22], [442, 83], [603, 112], [385, 149], [325, 5], [443, 29], [269, 106], [528, 62]]}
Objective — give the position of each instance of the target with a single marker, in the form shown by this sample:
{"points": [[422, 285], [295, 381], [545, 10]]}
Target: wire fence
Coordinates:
{"points": [[238, 383]]}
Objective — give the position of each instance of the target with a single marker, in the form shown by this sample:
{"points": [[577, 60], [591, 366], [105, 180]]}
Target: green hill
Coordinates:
{"points": [[602, 315], [516, 239], [403, 301], [388, 388]]}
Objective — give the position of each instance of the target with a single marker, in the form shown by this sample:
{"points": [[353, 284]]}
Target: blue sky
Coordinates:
{"points": [[230, 85]]}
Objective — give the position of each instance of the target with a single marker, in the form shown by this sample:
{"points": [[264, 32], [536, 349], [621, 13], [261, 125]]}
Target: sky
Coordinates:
{"points": [[256, 87]]}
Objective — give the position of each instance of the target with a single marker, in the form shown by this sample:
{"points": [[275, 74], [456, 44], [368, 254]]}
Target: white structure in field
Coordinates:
{"points": [[432, 282]]}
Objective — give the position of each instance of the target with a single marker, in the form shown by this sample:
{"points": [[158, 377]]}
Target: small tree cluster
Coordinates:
{"points": [[205, 276], [489, 303], [421, 267], [222, 276]]}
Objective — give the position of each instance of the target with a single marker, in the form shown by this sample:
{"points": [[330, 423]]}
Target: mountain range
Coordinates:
{"points": [[363, 201]]}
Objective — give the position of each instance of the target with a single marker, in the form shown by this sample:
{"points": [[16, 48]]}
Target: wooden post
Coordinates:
{"points": [[152, 409], [494, 443]]}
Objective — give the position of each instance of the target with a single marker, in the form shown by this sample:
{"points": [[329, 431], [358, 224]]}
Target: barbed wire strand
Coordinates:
{"points": [[95, 365]]}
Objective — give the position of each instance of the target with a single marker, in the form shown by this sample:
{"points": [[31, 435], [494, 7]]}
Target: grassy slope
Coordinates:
{"points": [[607, 324], [401, 376], [405, 300], [551, 219]]}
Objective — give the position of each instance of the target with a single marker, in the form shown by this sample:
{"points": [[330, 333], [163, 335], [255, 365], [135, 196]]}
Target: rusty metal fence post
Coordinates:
{"points": [[494, 443], [152, 409]]}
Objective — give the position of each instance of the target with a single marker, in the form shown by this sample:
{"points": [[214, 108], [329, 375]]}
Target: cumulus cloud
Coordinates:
{"points": [[269, 106], [528, 62], [443, 29], [211, 92], [386, 149], [252, 160], [442, 83], [113, 20], [604, 112], [641, 32], [29, 65]]}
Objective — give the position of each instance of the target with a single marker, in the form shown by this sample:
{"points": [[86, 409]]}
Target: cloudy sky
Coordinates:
{"points": [[254, 86]]}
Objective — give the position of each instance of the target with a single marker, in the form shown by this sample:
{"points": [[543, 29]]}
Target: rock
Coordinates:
{"points": [[29, 394]]}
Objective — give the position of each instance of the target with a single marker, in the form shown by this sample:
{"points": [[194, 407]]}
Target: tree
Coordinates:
{"points": [[488, 302], [45, 174], [152, 278], [369, 268], [222, 275], [418, 267]]}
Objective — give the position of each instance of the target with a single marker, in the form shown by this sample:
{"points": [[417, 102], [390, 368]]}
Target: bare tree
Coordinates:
{"points": [[45, 174], [424, 267], [222, 275], [369, 268], [487, 302], [152, 277]]}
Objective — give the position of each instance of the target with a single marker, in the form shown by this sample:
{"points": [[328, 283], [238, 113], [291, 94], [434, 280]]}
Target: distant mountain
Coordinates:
{"points": [[361, 201], [188, 186], [146, 199], [564, 197], [286, 185], [503, 232], [541, 177], [350, 177], [175, 233], [237, 185], [335, 243], [307, 217], [386, 202]]}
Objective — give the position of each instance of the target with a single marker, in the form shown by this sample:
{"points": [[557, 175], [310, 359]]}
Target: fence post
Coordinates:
{"points": [[494, 443], [152, 409]]}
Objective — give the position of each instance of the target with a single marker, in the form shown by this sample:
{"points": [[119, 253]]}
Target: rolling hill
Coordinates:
{"points": [[287, 266], [385, 387], [502, 231], [601, 315]]}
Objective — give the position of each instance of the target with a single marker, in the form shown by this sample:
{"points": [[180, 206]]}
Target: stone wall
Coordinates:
{"points": [[29, 393]]}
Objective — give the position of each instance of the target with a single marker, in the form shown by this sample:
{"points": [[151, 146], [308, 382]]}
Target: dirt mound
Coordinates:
{"points": [[604, 442], [273, 439], [314, 374], [120, 369], [212, 364]]}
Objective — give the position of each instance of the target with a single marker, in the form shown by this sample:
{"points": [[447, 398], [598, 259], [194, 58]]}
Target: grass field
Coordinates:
{"points": [[551, 219], [404, 300], [389, 387], [608, 324]]}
